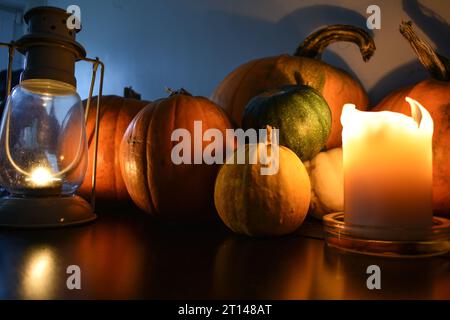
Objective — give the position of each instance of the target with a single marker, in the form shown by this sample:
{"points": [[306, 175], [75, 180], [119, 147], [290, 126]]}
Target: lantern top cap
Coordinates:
{"points": [[50, 45], [49, 25], [44, 10]]}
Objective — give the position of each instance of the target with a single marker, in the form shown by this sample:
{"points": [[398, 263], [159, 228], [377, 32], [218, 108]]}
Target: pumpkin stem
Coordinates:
{"points": [[269, 134], [437, 65], [182, 91], [268, 141], [314, 45]]}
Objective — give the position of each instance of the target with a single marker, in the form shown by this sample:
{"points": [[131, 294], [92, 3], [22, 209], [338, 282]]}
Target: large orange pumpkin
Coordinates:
{"points": [[304, 67], [116, 114], [434, 94], [177, 192]]}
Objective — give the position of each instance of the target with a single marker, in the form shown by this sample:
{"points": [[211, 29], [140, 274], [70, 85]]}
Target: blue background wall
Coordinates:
{"points": [[155, 44]]}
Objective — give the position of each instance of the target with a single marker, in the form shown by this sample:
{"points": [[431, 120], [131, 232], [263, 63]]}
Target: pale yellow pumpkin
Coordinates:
{"points": [[263, 205]]}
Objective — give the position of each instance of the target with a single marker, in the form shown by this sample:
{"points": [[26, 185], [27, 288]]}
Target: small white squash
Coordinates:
{"points": [[327, 183]]}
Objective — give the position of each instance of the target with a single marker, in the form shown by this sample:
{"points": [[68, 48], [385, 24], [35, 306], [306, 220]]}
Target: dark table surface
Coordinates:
{"points": [[126, 255]]}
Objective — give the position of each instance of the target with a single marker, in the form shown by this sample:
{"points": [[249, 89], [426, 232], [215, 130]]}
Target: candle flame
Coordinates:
{"points": [[41, 177]]}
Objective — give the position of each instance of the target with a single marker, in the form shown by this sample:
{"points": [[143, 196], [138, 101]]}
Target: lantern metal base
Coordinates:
{"points": [[44, 212], [410, 243]]}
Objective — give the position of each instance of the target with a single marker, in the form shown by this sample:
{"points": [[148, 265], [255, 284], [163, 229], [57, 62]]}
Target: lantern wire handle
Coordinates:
{"points": [[95, 64], [91, 90], [11, 48]]}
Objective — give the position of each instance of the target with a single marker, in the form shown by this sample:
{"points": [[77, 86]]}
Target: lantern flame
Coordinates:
{"points": [[41, 177]]}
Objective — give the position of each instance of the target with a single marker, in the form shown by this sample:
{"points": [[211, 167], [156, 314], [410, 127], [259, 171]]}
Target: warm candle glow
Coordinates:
{"points": [[41, 177], [387, 167]]}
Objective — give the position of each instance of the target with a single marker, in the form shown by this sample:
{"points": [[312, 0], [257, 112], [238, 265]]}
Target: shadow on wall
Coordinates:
{"points": [[260, 38], [201, 48], [437, 30], [435, 26], [405, 75], [306, 20], [174, 44]]}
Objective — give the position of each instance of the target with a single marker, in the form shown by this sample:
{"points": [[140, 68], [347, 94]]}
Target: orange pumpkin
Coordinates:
{"points": [[116, 114], [304, 67], [158, 185], [434, 94]]}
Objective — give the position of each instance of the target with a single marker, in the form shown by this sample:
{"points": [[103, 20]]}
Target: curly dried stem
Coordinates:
{"points": [[316, 43], [437, 65]]}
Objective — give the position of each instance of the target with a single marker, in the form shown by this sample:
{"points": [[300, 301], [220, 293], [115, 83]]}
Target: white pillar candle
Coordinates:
{"points": [[387, 160]]}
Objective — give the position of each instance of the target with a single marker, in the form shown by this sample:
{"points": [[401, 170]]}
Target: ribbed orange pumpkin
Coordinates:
{"points": [[116, 113], [183, 192], [434, 94], [304, 67]]}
